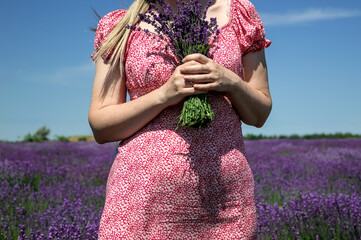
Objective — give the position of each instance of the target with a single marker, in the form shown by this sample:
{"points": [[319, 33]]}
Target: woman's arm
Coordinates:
{"points": [[252, 97], [249, 96], [111, 118]]}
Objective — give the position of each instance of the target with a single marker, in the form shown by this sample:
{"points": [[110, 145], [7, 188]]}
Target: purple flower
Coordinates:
{"points": [[187, 32], [188, 25], [293, 192]]}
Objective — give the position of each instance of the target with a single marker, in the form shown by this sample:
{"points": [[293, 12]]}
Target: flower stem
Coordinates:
{"points": [[196, 112]]}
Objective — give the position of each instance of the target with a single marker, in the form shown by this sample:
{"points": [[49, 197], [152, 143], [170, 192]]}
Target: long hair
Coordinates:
{"points": [[116, 41]]}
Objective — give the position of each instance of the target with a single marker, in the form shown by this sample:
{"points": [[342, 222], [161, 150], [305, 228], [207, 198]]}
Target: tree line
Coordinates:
{"points": [[42, 134], [337, 135]]}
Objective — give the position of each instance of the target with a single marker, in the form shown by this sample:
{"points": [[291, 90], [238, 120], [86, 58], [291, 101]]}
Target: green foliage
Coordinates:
{"points": [[83, 138], [62, 139], [196, 112], [337, 135], [251, 136], [28, 138], [40, 135]]}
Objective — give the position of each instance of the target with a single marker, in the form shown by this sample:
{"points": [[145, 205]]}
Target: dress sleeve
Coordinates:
{"points": [[105, 25], [248, 27]]}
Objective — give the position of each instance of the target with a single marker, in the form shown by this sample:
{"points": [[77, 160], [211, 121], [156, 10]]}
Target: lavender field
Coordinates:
{"points": [[305, 189]]}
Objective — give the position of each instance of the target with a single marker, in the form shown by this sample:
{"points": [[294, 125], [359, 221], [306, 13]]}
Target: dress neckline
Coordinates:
{"points": [[229, 15]]}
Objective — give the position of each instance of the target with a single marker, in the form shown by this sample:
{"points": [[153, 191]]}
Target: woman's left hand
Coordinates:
{"points": [[249, 95], [207, 75]]}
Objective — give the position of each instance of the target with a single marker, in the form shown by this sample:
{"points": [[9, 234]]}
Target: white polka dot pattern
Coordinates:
{"points": [[189, 183]]}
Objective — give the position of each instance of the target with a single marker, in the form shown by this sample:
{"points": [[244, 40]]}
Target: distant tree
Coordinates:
{"points": [[28, 138], [294, 136], [62, 139], [251, 136], [40, 135], [82, 138], [336, 135]]}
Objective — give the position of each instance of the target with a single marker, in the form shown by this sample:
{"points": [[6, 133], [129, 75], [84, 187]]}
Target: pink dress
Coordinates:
{"points": [[190, 183]]}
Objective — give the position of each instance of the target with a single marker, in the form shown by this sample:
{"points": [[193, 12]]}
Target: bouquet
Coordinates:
{"points": [[188, 32]]}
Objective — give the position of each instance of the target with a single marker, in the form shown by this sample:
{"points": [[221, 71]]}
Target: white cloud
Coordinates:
{"points": [[310, 15]]}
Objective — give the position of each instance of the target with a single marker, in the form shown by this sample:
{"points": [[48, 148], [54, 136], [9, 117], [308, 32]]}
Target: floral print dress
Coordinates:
{"points": [[189, 183]]}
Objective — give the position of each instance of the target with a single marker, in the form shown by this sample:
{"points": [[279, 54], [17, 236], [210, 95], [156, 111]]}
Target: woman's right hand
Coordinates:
{"points": [[177, 88], [113, 119]]}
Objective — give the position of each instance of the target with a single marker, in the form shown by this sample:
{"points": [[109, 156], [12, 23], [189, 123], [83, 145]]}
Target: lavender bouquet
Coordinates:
{"points": [[188, 32]]}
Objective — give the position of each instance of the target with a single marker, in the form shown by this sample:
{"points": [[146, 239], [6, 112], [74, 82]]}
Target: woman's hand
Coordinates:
{"points": [[207, 75], [112, 118], [250, 95], [177, 87]]}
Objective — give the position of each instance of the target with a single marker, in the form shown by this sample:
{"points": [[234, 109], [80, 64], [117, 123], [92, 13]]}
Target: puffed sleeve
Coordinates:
{"points": [[105, 25], [248, 27]]}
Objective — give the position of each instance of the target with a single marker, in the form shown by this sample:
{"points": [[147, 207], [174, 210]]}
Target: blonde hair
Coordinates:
{"points": [[116, 41]]}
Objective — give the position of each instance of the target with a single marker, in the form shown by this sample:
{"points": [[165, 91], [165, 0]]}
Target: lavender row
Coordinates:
{"points": [[283, 168], [311, 216], [304, 189], [52, 190]]}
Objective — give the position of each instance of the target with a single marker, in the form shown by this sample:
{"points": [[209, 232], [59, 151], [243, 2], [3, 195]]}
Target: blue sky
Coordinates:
{"points": [[46, 74]]}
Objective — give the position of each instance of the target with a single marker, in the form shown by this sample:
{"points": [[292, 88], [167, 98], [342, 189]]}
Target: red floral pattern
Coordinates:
{"points": [[189, 183]]}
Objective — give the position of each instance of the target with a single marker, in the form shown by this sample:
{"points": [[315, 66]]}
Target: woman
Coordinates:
{"points": [[190, 183]]}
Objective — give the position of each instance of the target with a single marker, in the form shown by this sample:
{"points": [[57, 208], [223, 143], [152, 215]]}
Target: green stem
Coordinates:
{"points": [[196, 112]]}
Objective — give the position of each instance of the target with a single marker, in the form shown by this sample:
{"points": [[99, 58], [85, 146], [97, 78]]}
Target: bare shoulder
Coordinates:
{"points": [[220, 11]]}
